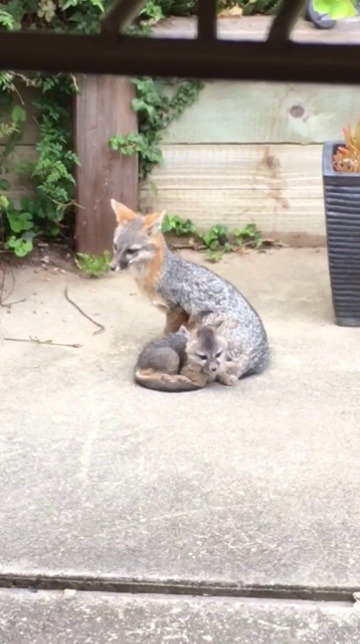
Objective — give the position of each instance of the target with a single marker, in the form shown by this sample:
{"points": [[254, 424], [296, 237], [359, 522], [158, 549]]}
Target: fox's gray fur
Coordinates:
{"points": [[182, 361], [184, 289]]}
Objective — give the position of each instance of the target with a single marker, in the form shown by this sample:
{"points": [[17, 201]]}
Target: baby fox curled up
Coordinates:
{"points": [[185, 360], [183, 289]]}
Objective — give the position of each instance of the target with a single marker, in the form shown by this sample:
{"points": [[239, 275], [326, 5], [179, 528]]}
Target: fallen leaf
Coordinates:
{"points": [[234, 12]]}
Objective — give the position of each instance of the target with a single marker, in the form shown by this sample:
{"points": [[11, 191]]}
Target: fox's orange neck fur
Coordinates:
{"points": [[148, 275]]}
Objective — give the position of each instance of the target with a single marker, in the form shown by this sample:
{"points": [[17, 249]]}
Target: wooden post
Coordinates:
{"points": [[103, 109]]}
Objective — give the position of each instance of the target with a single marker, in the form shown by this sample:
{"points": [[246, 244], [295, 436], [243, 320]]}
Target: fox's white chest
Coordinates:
{"points": [[144, 282]]}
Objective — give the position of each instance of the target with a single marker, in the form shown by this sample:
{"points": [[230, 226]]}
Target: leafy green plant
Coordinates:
{"points": [[20, 246], [178, 226], [136, 143], [250, 235], [216, 237], [217, 242], [94, 265], [17, 225], [151, 13], [337, 9]]}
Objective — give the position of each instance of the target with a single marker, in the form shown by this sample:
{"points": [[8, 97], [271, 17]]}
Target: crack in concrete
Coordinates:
{"points": [[189, 588]]}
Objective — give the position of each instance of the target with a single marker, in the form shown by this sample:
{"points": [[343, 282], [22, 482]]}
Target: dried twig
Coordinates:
{"points": [[101, 326], [49, 342], [3, 302]]}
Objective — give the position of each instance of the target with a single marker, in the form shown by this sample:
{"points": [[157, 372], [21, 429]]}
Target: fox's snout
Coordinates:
{"points": [[117, 266]]}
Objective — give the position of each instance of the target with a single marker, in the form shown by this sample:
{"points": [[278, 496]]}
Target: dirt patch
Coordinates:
{"points": [[54, 255]]}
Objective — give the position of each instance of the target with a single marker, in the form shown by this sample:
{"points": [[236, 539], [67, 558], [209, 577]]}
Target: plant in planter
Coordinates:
{"points": [[341, 180]]}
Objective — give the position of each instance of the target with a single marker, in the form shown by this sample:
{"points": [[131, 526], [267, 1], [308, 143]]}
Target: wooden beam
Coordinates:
{"points": [[206, 20], [125, 55], [284, 21], [120, 15], [103, 109]]}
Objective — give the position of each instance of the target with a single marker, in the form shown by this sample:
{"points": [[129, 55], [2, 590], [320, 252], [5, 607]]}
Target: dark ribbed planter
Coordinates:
{"points": [[342, 211]]}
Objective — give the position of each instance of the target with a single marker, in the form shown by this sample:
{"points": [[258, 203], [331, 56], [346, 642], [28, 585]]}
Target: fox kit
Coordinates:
{"points": [[183, 289], [183, 361]]}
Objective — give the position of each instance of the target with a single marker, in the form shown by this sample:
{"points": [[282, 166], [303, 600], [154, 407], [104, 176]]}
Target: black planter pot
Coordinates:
{"points": [[342, 211]]}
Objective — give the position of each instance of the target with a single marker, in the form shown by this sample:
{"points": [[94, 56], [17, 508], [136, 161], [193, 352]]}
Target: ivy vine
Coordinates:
{"points": [[157, 104]]}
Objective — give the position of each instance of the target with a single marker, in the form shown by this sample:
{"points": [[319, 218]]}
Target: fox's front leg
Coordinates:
{"points": [[174, 319], [230, 375], [235, 370]]}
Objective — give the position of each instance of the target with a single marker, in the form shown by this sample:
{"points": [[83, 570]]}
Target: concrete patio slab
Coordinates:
{"points": [[60, 618], [256, 485]]}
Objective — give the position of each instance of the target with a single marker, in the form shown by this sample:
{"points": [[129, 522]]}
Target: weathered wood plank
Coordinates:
{"points": [[278, 187], [103, 109], [249, 112]]}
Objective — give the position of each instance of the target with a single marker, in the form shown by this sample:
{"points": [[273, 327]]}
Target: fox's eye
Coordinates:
{"points": [[131, 251], [218, 354], [202, 356]]}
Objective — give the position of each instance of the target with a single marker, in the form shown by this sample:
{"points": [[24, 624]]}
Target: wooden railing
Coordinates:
{"points": [[276, 59]]}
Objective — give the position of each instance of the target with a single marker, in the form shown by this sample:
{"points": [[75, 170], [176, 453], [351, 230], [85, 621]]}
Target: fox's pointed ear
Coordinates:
{"points": [[185, 332], [122, 212], [193, 323], [153, 223]]}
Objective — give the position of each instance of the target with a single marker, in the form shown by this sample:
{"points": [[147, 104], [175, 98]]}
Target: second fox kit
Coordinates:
{"points": [[183, 289], [184, 361]]}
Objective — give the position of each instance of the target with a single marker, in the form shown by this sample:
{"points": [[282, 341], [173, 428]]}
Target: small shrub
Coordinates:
{"points": [[250, 235], [215, 237], [178, 226], [217, 240], [94, 265]]}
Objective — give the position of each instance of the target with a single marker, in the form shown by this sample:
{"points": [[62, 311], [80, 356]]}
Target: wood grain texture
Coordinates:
{"points": [[103, 109], [278, 187], [259, 112]]}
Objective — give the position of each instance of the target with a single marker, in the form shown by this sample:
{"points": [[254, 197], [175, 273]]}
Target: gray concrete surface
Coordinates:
{"points": [[91, 618], [257, 485]]}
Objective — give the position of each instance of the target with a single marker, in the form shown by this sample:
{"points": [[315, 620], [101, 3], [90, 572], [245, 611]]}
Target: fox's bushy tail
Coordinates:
{"points": [[159, 381]]}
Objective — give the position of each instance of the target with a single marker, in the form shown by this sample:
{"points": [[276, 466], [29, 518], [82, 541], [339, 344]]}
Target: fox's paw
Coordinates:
{"points": [[229, 380]]}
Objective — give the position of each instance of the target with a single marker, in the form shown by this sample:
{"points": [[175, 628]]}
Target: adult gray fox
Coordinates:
{"points": [[185, 360], [183, 289]]}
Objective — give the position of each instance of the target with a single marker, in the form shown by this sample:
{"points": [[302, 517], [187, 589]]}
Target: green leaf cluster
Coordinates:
{"points": [[157, 104]]}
